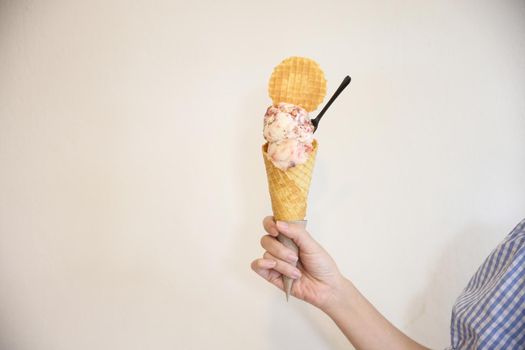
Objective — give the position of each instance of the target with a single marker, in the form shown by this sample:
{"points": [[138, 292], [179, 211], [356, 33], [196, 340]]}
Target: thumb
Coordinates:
{"points": [[297, 233]]}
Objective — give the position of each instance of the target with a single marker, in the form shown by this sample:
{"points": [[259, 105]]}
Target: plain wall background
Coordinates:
{"points": [[132, 185]]}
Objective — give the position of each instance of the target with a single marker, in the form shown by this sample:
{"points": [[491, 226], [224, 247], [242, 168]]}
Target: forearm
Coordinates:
{"points": [[363, 325]]}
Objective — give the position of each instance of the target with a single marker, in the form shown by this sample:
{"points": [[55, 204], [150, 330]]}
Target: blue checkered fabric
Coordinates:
{"points": [[490, 312]]}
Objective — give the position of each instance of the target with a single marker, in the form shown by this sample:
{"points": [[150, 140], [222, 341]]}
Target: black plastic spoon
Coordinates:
{"points": [[340, 89]]}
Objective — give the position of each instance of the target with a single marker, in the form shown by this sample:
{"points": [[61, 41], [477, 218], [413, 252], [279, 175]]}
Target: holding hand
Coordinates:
{"points": [[319, 282], [317, 278]]}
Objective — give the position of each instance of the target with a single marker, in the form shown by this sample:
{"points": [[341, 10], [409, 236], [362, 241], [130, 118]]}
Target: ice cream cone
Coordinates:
{"points": [[296, 81], [289, 189], [289, 196]]}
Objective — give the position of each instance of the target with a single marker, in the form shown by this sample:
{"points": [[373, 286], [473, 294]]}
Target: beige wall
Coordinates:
{"points": [[132, 187]]}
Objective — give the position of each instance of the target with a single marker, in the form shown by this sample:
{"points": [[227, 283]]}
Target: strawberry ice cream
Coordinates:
{"points": [[289, 133]]}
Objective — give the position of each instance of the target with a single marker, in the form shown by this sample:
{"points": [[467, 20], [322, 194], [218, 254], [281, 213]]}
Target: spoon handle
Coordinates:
{"points": [[340, 89]]}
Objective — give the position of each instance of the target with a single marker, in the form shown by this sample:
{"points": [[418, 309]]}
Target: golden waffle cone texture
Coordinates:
{"points": [[289, 189], [298, 80]]}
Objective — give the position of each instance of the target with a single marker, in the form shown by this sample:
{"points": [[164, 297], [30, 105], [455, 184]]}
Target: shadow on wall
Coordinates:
{"points": [[428, 320]]}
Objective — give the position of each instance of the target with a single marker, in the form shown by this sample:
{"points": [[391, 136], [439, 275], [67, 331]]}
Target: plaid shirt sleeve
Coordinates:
{"points": [[490, 312]]}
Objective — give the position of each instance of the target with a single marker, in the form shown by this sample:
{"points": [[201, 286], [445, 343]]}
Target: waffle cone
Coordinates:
{"points": [[299, 81], [289, 189]]}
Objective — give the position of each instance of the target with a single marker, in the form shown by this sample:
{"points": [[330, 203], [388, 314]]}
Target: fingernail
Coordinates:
{"points": [[296, 274], [292, 258], [282, 225], [272, 263]]}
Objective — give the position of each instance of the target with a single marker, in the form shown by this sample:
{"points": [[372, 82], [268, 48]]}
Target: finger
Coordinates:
{"points": [[263, 264], [284, 267], [279, 250], [269, 226], [298, 234], [260, 266]]}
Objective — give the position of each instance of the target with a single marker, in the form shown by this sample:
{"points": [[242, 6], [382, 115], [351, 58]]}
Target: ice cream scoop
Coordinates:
{"points": [[289, 132]]}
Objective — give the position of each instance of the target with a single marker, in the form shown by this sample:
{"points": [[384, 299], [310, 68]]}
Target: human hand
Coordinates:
{"points": [[321, 284], [317, 279]]}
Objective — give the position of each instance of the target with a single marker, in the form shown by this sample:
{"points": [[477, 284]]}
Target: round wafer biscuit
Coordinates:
{"points": [[298, 80]]}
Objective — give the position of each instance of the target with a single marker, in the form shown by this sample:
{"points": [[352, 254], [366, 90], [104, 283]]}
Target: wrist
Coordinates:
{"points": [[344, 293]]}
